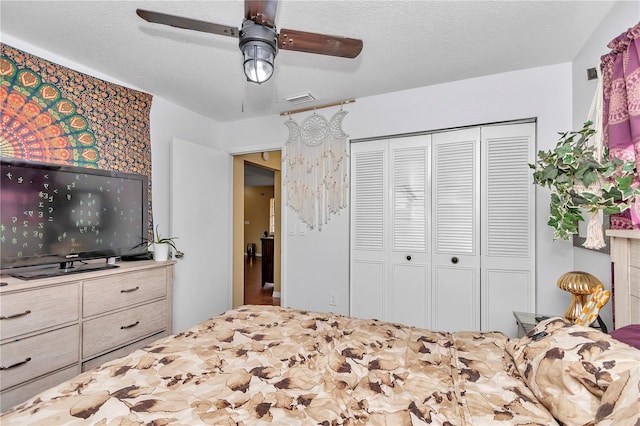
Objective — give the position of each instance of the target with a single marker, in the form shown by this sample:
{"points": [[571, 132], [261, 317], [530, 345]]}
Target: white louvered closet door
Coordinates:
{"points": [[369, 209], [390, 230], [508, 225], [442, 228], [456, 230], [409, 298]]}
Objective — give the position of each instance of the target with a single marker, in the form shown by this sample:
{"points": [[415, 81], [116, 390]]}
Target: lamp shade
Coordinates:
{"points": [[258, 61]]}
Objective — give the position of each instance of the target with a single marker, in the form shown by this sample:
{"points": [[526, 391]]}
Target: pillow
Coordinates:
{"points": [[629, 334], [599, 297], [569, 367]]}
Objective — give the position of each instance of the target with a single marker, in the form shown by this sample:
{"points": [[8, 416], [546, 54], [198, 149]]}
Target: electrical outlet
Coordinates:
{"points": [[333, 298]]}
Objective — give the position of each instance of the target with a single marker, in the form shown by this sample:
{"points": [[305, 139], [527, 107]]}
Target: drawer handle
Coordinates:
{"points": [[15, 315], [130, 290], [124, 327], [17, 364]]}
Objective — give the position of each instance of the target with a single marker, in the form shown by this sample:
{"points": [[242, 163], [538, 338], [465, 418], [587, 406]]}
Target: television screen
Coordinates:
{"points": [[55, 213]]}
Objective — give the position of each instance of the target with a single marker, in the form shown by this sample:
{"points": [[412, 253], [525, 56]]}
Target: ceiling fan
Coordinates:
{"points": [[259, 38]]}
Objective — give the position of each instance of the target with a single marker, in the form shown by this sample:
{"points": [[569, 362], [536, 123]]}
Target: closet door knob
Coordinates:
{"points": [[409, 257], [454, 260]]}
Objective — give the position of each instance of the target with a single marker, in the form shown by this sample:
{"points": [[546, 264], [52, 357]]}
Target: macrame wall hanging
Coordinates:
{"points": [[316, 168], [595, 233]]}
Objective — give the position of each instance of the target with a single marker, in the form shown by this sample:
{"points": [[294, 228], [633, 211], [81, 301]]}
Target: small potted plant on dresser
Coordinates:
{"points": [[161, 246]]}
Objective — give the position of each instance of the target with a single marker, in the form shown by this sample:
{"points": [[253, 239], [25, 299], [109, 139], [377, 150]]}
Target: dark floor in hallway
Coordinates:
{"points": [[254, 294]]}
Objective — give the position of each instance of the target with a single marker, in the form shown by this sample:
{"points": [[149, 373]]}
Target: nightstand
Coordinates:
{"points": [[527, 321]]}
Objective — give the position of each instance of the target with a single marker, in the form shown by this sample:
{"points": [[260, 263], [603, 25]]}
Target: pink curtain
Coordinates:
{"points": [[621, 110]]}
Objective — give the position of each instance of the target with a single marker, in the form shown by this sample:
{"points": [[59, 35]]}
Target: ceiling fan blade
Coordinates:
{"points": [[187, 23], [262, 12], [322, 44]]}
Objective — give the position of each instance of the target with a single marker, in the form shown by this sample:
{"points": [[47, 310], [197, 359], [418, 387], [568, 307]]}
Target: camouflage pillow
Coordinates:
{"points": [[569, 367]]}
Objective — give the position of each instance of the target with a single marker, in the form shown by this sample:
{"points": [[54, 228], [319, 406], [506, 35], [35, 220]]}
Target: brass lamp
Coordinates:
{"points": [[579, 284]]}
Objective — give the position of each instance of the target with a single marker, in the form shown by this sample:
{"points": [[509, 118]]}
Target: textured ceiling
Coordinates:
{"points": [[407, 44]]}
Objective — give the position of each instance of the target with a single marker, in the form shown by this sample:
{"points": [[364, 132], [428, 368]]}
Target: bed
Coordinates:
{"points": [[273, 365]]}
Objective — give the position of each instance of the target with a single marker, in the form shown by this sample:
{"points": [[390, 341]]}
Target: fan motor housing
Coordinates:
{"points": [[252, 32]]}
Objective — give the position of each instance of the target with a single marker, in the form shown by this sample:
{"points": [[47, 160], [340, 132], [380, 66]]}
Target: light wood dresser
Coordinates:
{"points": [[625, 255], [52, 329]]}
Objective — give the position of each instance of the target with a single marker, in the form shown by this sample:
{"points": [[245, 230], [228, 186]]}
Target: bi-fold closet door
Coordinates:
{"points": [[456, 231], [442, 228], [390, 220]]}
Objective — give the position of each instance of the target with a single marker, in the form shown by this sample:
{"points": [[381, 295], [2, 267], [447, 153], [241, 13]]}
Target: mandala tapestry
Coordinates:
{"points": [[52, 114]]}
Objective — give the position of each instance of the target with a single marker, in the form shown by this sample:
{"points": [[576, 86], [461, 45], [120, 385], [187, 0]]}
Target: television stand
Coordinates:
{"points": [[66, 268]]}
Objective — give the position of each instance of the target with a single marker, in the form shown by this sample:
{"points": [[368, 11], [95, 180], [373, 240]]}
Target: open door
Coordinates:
{"points": [[200, 218]]}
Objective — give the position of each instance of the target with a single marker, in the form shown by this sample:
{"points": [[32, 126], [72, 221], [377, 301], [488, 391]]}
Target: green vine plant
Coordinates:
{"points": [[578, 180]]}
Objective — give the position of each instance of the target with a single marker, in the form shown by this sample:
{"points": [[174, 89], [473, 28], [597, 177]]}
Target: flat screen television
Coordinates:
{"points": [[62, 215]]}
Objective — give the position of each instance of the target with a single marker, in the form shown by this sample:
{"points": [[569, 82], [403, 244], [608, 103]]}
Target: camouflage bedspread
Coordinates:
{"points": [[271, 365]]}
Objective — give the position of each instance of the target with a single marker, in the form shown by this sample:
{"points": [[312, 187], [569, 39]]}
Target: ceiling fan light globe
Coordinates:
{"points": [[258, 61], [259, 46]]}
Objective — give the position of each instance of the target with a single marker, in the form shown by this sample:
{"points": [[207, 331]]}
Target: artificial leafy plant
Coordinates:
{"points": [[573, 162]]}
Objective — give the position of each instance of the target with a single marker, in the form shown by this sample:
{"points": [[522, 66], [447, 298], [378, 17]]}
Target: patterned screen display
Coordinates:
{"points": [[69, 212]]}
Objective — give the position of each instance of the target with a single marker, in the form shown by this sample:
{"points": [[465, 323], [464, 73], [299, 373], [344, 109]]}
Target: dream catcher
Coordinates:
{"points": [[315, 158]]}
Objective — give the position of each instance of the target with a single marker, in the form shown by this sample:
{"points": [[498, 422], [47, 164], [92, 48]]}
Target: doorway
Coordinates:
{"points": [[256, 212], [259, 231]]}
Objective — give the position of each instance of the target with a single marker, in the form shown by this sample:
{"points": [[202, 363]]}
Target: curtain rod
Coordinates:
{"points": [[295, 111]]}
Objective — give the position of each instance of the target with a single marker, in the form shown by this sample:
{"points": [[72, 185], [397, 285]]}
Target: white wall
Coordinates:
{"points": [[167, 121], [623, 15], [318, 263]]}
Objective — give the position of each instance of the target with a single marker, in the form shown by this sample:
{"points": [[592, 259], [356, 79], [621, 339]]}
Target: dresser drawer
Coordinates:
{"points": [[634, 254], [109, 331], [20, 394], [634, 281], [634, 302], [122, 352], [108, 293], [38, 355], [33, 310]]}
